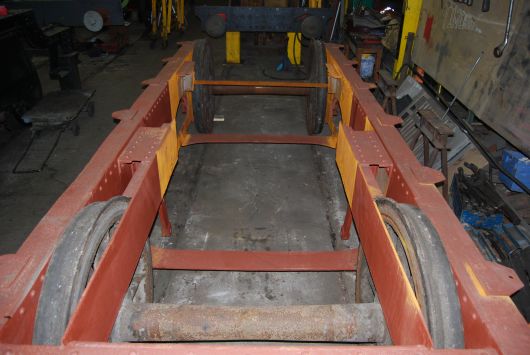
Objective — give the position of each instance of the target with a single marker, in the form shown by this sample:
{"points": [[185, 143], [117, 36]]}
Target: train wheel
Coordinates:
{"points": [[424, 260], [73, 262], [203, 100], [316, 108]]}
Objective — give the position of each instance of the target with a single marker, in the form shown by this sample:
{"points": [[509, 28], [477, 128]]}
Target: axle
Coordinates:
{"points": [[152, 322]]}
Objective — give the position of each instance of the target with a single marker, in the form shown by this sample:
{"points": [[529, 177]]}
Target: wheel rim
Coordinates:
{"points": [[316, 108], [203, 100], [436, 295], [73, 263]]}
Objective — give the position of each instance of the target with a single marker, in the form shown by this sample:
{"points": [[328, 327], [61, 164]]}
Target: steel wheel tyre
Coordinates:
{"points": [[203, 100], [316, 107], [426, 265], [73, 262]]}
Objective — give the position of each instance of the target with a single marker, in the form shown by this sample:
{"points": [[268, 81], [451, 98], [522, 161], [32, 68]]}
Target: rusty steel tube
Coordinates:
{"points": [[259, 90], [153, 322]]}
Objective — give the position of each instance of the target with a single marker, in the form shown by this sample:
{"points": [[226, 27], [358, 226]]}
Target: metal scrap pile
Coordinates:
{"points": [[498, 231]]}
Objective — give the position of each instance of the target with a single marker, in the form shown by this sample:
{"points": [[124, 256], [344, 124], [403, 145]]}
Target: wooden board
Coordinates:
{"points": [[450, 38]]}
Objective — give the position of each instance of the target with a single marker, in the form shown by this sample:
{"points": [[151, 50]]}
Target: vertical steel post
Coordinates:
{"points": [[233, 45]]}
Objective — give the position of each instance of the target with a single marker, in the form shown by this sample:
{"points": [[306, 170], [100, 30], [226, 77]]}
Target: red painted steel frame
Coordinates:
{"points": [[21, 274], [235, 260], [490, 318], [121, 167]]}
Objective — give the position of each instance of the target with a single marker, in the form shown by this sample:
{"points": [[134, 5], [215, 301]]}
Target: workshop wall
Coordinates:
{"points": [[450, 38]]}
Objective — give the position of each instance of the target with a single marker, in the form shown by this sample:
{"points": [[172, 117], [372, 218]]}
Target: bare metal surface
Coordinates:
{"points": [[164, 322], [497, 52]]}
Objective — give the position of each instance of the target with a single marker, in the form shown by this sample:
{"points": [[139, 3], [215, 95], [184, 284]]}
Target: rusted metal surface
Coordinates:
{"points": [[104, 293], [437, 133], [346, 225], [165, 224], [326, 141], [101, 179], [395, 293], [259, 90], [164, 322], [490, 318], [229, 348], [235, 260], [370, 144], [272, 84]]}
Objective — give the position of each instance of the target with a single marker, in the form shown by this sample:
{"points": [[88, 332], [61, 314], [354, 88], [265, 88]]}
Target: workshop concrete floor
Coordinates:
{"points": [[237, 197], [255, 197]]}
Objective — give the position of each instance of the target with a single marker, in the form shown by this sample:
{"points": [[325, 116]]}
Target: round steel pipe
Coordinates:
{"points": [[259, 90], [154, 322]]}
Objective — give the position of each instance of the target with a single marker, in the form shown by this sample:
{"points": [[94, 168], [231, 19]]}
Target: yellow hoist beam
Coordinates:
{"points": [[411, 18], [233, 44]]}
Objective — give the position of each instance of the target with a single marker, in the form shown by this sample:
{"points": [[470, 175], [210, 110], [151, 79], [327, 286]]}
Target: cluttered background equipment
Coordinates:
{"points": [[334, 175]]}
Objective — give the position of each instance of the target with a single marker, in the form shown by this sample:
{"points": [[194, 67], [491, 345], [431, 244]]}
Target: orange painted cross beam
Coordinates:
{"points": [[326, 141], [290, 84], [233, 260]]}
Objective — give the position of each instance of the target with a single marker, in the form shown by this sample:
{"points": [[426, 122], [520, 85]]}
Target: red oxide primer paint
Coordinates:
{"points": [[428, 28]]}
